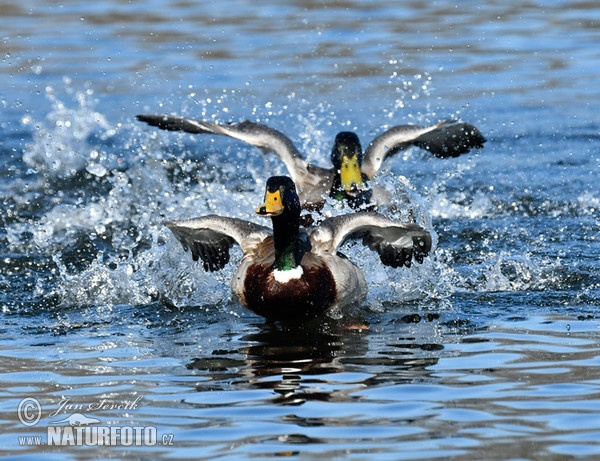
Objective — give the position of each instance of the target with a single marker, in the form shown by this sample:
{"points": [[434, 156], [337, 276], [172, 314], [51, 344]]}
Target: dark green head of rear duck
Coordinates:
{"points": [[349, 182]]}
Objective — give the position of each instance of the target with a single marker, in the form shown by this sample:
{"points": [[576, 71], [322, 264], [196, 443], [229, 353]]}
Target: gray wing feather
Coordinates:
{"points": [[209, 238], [396, 243], [256, 134], [449, 138]]}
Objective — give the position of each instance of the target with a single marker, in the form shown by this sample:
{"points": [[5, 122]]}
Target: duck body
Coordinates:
{"points": [[288, 273], [327, 284]]}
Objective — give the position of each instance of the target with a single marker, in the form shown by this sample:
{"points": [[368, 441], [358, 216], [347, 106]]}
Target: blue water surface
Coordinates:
{"points": [[489, 350]]}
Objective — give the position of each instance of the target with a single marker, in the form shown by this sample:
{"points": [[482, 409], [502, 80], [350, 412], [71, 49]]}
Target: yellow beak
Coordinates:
{"points": [[273, 205], [350, 175]]}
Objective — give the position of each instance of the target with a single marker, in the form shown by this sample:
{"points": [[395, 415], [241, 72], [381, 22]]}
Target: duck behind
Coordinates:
{"points": [[350, 179]]}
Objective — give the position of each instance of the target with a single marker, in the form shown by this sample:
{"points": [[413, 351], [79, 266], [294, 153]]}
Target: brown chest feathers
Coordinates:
{"points": [[307, 296]]}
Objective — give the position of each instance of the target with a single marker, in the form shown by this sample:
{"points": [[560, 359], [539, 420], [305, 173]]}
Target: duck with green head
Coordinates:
{"points": [[290, 273], [350, 177], [350, 184]]}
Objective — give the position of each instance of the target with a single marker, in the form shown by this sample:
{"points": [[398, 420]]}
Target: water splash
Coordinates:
{"points": [[102, 192], [61, 145]]}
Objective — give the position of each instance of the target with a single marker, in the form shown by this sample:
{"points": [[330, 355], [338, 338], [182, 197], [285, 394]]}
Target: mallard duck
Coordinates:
{"points": [[292, 273], [352, 167]]}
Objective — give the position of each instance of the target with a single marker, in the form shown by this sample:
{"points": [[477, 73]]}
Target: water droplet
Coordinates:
{"points": [[96, 169]]}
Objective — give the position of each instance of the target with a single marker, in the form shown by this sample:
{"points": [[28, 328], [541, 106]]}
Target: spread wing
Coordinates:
{"points": [[170, 123], [210, 237], [261, 136], [397, 243], [449, 138]]}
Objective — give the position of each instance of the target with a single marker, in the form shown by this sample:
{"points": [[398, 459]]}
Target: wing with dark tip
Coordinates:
{"points": [[256, 134], [396, 243], [170, 123], [209, 238], [449, 138]]}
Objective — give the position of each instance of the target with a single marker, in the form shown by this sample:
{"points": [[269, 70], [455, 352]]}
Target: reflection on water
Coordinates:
{"points": [[282, 360], [303, 364]]}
